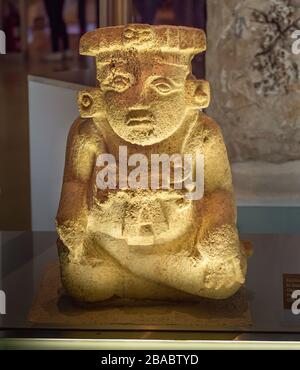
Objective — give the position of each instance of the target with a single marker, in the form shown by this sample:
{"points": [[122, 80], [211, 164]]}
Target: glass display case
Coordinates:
{"points": [[252, 64]]}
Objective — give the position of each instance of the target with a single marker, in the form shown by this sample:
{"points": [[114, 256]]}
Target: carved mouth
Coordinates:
{"points": [[139, 117]]}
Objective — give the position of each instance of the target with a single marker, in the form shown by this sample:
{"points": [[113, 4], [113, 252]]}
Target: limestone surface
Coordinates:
{"points": [[145, 243]]}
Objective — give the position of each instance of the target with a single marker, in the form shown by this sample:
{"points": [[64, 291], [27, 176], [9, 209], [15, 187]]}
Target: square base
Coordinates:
{"points": [[53, 308]]}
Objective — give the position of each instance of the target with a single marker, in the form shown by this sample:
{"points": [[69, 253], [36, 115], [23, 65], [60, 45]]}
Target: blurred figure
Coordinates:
{"points": [[82, 16], [59, 35], [166, 13], [147, 9], [97, 7], [191, 13], [12, 28]]}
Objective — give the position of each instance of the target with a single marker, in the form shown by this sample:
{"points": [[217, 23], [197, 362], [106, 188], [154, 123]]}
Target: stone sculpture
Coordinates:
{"points": [[120, 238]]}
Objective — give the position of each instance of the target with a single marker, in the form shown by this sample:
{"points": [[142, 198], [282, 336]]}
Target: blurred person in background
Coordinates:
{"points": [[147, 9], [11, 26], [191, 13], [82, 16], [58, 28]]}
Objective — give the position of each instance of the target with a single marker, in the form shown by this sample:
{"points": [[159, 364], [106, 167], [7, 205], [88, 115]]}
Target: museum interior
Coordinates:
{"points": [[242, 81]]}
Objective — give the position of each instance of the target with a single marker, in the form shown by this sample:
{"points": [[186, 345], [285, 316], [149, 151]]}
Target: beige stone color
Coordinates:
{"points": [[143, 243]]}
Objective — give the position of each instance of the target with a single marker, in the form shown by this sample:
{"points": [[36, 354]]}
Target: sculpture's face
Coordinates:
{"points": [[145, 101]]}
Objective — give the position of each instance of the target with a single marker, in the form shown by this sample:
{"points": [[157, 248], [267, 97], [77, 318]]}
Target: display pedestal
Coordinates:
{"points": [[51, 307]]}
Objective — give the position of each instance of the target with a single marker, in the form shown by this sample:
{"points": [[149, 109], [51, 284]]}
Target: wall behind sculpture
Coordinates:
{"points": [[255, 77], [52, 110]]}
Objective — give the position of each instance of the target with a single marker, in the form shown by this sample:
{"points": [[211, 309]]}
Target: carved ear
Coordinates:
{"points": [[198, 92], [89, 103]]}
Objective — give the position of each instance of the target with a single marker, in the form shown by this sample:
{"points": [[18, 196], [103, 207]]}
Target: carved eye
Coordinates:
{"points": [[121, 82], [163, 85], [118, 83]]}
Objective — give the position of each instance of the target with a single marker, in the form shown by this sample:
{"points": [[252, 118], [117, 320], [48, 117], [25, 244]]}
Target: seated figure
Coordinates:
{"points": [[140, 242]]}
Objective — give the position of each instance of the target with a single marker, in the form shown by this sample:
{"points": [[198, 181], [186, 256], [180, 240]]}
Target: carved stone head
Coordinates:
{"points": [[146, 87]]}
